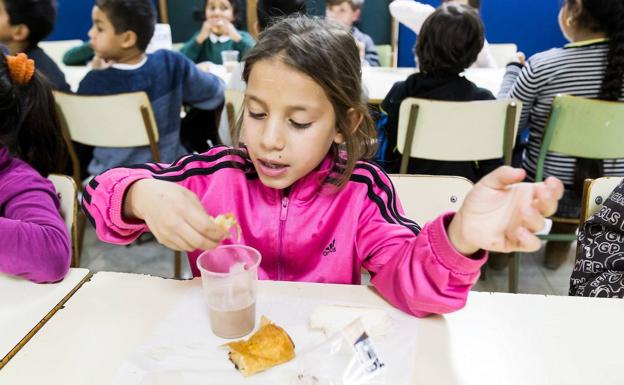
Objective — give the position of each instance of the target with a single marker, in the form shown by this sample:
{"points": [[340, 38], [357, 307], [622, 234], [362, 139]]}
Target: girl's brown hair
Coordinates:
{"points": [[326, 53]]}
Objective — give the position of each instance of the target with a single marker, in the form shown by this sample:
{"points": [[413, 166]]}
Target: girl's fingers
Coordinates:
{"points": [[532, 219], [547, 195], [195, 239], [205, 225], [503, 177], [526, 241]]}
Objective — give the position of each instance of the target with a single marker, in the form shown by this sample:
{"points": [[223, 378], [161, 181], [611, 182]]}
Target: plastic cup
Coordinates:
{"points": [[230, 60], [229, 279]]}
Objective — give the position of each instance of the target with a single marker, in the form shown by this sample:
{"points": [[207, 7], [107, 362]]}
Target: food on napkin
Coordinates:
{"points": [[333, 318], [227, 221], [267, 347]]}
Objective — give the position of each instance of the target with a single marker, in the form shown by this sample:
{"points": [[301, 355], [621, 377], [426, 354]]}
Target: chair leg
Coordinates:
{"points": [[177, 265], [82, 224], [514, 269]]}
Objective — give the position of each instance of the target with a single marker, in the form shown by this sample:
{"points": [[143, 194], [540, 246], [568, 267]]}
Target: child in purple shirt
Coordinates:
{"points": [[34, 241]]}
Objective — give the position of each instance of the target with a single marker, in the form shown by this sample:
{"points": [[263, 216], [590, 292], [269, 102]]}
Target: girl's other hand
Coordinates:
{"points": [[173, 214], [232, 32], [501, 214]]}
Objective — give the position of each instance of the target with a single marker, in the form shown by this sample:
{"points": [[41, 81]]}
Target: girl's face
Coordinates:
{"points": [[289, 124], [218, 12]]}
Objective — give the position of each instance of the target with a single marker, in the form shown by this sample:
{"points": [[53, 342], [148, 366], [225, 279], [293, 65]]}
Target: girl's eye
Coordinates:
{"points": [[300, 126], [257, 116]]}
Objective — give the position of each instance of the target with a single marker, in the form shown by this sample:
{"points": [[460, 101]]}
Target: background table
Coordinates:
{"points": [[497, 338], [379, 80], [26, 306]]}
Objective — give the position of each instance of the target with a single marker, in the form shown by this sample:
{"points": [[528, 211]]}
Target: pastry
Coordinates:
{"points": [[227, 221], [269, 346]]}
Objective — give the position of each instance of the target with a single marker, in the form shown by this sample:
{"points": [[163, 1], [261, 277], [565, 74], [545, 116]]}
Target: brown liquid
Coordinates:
{"points": [[233, 323]]}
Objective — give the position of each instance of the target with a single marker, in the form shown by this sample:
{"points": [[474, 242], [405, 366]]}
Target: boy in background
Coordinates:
{"points": [[121, 31], [23, 24], [347, 12]]}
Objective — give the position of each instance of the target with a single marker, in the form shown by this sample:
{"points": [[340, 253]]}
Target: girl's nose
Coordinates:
{"points": [[273, 135]]}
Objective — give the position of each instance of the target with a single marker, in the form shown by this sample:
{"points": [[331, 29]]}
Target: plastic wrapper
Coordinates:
{"points": [[349, 357]]}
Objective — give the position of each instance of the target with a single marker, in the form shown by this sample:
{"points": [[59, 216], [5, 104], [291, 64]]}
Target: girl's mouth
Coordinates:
{"points": [[271, 168]]}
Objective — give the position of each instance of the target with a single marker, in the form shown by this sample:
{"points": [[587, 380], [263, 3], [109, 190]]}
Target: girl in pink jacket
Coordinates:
{"points": [[303, 198]]}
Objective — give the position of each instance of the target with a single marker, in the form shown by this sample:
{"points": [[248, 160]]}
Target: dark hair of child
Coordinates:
{"points": [[450, 40], [29, 124], [137, 16], [38, 15], [271, 10], [240, 16]]}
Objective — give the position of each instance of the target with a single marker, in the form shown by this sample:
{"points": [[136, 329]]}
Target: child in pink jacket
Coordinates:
{"points": [[303, 197]]}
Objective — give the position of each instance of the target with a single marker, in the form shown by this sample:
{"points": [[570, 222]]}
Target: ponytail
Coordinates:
{"points": [[607, 16], [29, 124]]}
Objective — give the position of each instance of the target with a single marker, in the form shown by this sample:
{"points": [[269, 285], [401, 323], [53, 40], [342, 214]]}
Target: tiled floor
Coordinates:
{"points": [[151, 258]]}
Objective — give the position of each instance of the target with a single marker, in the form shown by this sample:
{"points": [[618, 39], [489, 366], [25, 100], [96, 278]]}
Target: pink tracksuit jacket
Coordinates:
{"points": [[315, 234]]}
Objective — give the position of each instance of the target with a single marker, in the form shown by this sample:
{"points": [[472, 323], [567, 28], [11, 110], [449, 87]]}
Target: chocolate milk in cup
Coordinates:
{"points": [[229, 278]]}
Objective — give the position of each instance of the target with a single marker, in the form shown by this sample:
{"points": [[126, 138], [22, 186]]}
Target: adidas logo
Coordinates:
{"points": [[330, 249]]}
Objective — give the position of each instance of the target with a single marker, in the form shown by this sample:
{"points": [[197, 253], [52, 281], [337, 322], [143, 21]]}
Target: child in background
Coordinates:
{"points": [[218, 33], [23, 24], [347, 12], [34, 242], [413, 14], [591, 66], [599, 266], [449, 41], [305, 129], [121, 31]]}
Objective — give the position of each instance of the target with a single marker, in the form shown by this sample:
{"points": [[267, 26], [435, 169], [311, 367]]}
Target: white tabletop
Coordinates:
{"points": [[75, 74], [379, 80], [497, 338], [25, 304]]}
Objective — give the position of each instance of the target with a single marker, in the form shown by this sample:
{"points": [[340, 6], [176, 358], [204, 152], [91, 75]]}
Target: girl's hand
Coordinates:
{"points": [[231, 30], [173, 214], [361, 49], [205, 31], [501, 214]]}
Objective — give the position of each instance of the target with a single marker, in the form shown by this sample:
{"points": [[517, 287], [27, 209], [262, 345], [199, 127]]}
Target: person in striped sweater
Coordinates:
{"points": [[591, 66]]}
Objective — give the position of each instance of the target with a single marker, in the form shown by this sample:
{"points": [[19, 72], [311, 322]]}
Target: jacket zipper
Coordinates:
{"points": [[283, 213]]}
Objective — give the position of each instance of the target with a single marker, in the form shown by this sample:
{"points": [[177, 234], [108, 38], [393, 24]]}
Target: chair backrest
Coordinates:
{"points": [[503, 53], [385, 55], [425, 197], [596, 191], [581, 127], [56, 49], [122, 120], [457, 131], [67, 193], [233, 105]]}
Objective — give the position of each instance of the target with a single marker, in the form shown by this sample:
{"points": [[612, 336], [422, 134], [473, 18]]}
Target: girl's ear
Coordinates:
{"points": [[20, 32], [128, 39], [355, 118]]}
